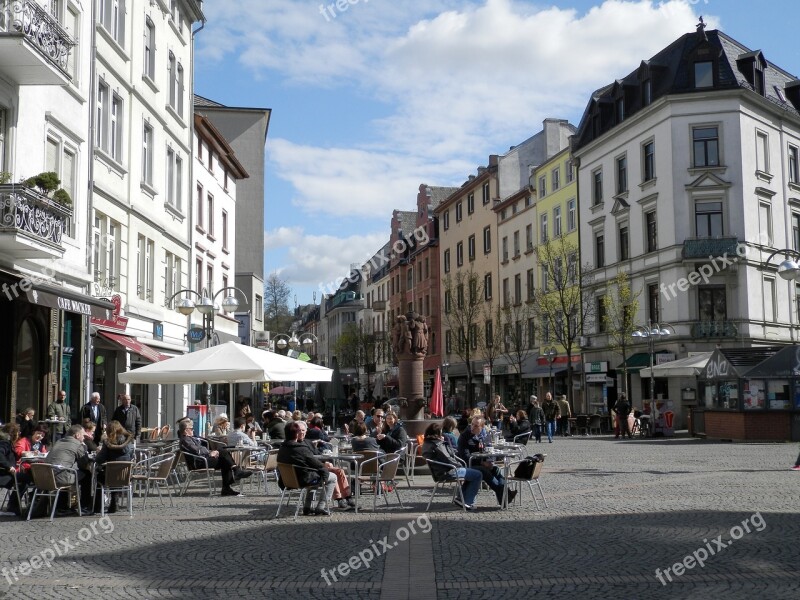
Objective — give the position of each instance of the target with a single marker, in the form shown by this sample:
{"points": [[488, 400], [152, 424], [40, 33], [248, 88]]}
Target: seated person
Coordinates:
{"points": [[376, 424], [117, 446], [252, 428], [70, 452], [361, 441], [435, 448], [216, 459], [448, 431], [518, 424], [311, 470], [276, 425], [8, 468], [393, 437], [30, 446], [471, 442], [315, 431], [341, 494], [238, 435], [88, 435], [222, 426], [359, 418]]}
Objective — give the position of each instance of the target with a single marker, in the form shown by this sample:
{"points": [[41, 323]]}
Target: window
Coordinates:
{"points": [[447, 301], [174, 179], [531, 333], [149, 49], [769, 300], [446, 220], [145, 266], [506, 293], [473, 336], [259, 307], [599, 250], [622, 174], [471, 247], [796, 230], [555, 179], [542, 186], [649, 161], [488, 332], [545, 279], [765, 222], [224, 230], [619, 109], [147, 154], [505, 249], [172, 275], [624, 242], [711, 304], [200, 202], [601, 314], [448, 342], [460, 295], [706, 146], [487, 286], [109, 121], [572, 215], [651, 229], [653, 305], [557, 221], [473, 291], [459, 211], [106, 253], [518, 288], [112, 17], [487, 239], [529, 282], [470, 203], [762, 152], [794, 169], [597, 187], [72, 24], [570, 169], [572, 268], [708, 219], [176, 84], [703, 74], [543, 228], [459, 254], [447, 260], [516, 244], [224, 281], [210, 214], [61, 158], [647, 92], [486, 193], [529, 237]]}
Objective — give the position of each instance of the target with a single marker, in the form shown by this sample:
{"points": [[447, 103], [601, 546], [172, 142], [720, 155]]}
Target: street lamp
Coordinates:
{"points": [[788, 269], [652, 333], [207, 307], [297, 343], [550, 354]]}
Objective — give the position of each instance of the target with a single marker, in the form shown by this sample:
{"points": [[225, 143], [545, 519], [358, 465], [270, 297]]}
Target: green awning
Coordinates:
{"points": [[636, 362]]}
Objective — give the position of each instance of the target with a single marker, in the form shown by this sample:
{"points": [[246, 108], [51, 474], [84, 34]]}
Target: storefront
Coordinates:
{"points": [[601, 388], [750, 394]]}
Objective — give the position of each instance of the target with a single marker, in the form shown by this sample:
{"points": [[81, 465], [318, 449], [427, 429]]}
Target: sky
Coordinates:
{"points": [[372, 101]]}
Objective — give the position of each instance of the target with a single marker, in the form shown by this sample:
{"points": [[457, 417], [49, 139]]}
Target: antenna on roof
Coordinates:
{"points": [[701, 28]]}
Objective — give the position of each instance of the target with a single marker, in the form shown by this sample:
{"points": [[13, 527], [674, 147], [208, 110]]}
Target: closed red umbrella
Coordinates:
{"points": [[437, 399]]}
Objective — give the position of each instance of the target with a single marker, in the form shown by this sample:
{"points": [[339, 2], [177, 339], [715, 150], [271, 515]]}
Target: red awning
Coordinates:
{"points": [[131, 345]]}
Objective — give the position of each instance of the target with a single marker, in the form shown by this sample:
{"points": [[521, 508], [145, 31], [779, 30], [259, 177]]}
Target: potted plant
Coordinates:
{"points": [[47, 183]]}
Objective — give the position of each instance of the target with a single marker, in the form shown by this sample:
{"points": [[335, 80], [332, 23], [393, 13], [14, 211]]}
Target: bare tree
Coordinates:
{"points": [[277, 315], [561, 307], [620, 305], [463, 308], [355, 348], [491, 342], [518, 335]]}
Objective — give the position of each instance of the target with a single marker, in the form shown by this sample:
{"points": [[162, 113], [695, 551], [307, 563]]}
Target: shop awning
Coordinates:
{"points": [[691, 366], [636, 362], [63, 299], [785, 363], [544, 370], [131, 345]]}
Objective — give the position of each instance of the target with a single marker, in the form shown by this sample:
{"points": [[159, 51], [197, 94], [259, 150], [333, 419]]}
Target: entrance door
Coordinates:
{"points": [[27, 367]]}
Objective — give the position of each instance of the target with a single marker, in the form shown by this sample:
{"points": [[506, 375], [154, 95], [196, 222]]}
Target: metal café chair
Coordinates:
{"points": [[379, 470], [534, 480], [198, 473], [44, 481], [157, 472], [291, 483], [118, 478], [443, 480]]}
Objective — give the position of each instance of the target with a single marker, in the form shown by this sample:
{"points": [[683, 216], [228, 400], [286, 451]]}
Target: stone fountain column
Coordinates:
{"points": [[410, 344]]}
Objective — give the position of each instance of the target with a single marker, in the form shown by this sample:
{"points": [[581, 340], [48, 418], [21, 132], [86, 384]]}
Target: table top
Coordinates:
{"points": [[347, 456]]}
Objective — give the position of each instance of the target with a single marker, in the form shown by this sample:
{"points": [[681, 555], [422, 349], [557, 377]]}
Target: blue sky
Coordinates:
{"points": [[386, 95]]}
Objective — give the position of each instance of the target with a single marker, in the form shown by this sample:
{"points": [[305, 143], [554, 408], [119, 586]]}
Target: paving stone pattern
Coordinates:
{"points": [[618, 510]]}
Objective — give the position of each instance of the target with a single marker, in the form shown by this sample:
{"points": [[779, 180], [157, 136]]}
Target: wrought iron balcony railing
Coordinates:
{"points": [[32, 220], [38, 27], [709, 248], [714, 329]]}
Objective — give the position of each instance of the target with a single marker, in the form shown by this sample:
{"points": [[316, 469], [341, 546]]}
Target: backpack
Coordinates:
{"points": [[527, 465]]}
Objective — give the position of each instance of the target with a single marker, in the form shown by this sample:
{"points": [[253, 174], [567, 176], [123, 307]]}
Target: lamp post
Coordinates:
{"points": [[446, 386], [550, 354], [652, 333], [297, 343]]}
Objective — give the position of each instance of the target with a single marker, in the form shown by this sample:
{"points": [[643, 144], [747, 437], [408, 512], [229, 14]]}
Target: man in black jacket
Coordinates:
{"points": [[216, 459], [310, 470], [128, 415], [623, 409]]}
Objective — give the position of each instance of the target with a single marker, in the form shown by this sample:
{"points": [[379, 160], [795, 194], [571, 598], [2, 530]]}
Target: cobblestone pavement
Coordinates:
{"points": [[618, 511]]}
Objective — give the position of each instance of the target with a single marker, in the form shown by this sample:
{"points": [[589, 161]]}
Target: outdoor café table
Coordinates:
{"points": [[496, 454], [51, 423]]}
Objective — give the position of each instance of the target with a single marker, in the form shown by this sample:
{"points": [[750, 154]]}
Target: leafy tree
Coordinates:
{"points": [[277, 316], [620, 305]]}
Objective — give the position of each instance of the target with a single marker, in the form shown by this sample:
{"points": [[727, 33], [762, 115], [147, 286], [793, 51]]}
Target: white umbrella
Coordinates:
{"points": [[227, 363]]}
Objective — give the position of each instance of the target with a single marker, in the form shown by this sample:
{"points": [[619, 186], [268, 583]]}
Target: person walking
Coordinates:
{"points": [[537, 419], [566, 413], [551, 415], [622, 408]]}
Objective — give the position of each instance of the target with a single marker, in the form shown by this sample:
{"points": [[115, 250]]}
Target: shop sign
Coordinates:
{"points": [[596, 378], [664, 357], [158, 330], [596, 367], [196, 334], [718, 367], [112, 320]]}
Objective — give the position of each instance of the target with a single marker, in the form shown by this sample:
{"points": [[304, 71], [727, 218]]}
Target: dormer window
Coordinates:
{"points": [[752, 66], [704, 74], [619, 109]]}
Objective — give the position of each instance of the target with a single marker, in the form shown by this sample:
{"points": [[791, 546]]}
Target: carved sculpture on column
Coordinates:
{"points": [[410, 345]]}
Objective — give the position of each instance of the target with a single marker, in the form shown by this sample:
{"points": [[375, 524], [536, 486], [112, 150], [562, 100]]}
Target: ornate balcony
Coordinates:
{"points": [[709, 248], [714, 329], [31, 225], [34, 48]]}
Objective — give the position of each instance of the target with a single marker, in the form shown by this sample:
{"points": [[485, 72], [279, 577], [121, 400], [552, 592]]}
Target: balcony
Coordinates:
{"points": [[714, 329], [31, 225], [709, 248], [379, 305], [34, 48]]}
